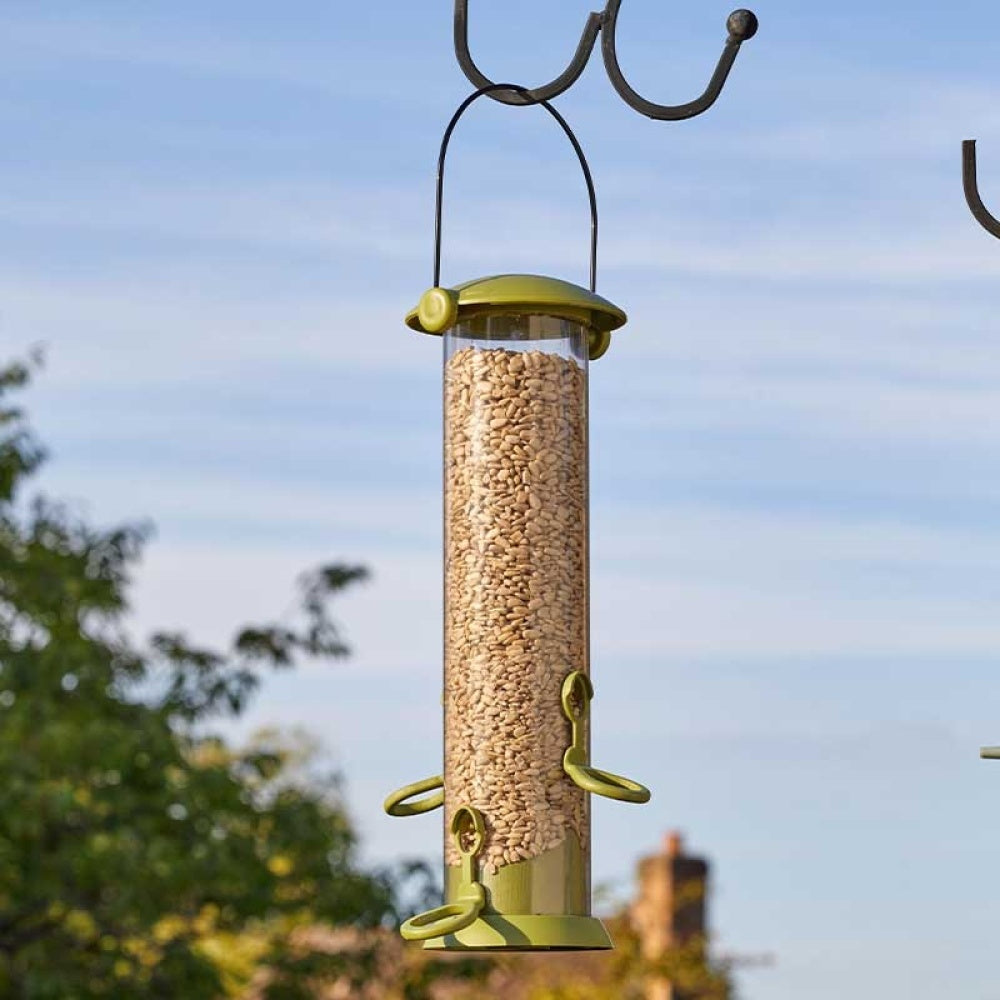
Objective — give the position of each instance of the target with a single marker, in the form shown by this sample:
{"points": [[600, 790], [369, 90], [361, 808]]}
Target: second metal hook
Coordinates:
{"points": [[971, 185], [741, 25]]}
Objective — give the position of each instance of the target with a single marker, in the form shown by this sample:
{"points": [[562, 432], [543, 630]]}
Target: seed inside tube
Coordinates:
{"points": [[515, 594]]}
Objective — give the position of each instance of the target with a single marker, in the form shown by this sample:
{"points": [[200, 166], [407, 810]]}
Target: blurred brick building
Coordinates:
{"points": [[670, 909]]}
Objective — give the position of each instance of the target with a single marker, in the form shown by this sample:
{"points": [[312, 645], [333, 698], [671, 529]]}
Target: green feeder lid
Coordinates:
{"points": [[440, 309]]}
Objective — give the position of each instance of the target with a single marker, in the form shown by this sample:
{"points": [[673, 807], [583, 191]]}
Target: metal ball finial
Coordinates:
{"points": [[742, 25]]}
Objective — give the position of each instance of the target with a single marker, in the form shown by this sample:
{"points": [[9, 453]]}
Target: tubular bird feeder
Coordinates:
{"points": [[518, 776]]}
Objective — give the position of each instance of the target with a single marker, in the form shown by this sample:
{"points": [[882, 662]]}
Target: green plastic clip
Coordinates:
{"points": [[577, 694], [469, 832], [396, 804]]}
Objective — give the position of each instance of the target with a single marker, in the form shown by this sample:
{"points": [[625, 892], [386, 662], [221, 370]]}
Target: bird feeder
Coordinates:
{"points": [[518, 777]]}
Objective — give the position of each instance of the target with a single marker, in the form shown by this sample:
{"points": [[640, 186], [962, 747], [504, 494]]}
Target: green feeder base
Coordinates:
{"points": [[526, 933]]}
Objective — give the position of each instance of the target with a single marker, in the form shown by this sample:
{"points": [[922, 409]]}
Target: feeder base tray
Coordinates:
{"points": [[527, 933]]}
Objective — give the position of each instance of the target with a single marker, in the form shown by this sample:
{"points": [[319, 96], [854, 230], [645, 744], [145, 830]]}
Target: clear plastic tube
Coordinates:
{"points": [[516, 581]]}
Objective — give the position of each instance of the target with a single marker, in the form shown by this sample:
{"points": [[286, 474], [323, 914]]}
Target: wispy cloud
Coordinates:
{"points": [[202, 46]]}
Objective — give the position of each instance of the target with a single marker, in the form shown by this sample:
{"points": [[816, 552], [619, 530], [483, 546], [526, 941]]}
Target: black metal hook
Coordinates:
{"points": [[559, 85], [971, 185], [742, 25]]}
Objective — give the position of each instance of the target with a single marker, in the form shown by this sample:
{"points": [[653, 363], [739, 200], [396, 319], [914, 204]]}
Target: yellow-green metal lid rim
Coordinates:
{"points": [[507, 293], [495, 932]]}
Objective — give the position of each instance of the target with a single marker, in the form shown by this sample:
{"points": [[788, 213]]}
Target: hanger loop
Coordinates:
{"points": [[490, 90]]}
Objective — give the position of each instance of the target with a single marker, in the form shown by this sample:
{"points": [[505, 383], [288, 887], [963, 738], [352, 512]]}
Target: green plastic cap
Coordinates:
{"points": [[442, 308]]}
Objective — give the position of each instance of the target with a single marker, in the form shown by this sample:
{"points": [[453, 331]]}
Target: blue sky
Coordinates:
{"points": [[216, 215]]}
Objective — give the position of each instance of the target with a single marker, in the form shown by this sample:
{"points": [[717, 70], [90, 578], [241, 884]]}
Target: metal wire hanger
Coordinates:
{"points": [[741, 25], [490, 90]]}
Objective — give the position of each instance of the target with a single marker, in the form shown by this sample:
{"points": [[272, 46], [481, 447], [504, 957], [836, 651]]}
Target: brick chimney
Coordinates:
{"points": [[670, 908]]}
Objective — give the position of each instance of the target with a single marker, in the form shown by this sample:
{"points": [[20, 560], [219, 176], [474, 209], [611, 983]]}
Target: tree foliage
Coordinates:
{"points": [[143, 858], [139, 856]]}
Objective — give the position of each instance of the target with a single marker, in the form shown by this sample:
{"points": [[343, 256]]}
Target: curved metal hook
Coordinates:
{"points": [[561, 83], [742, 25], [971, 185]]}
